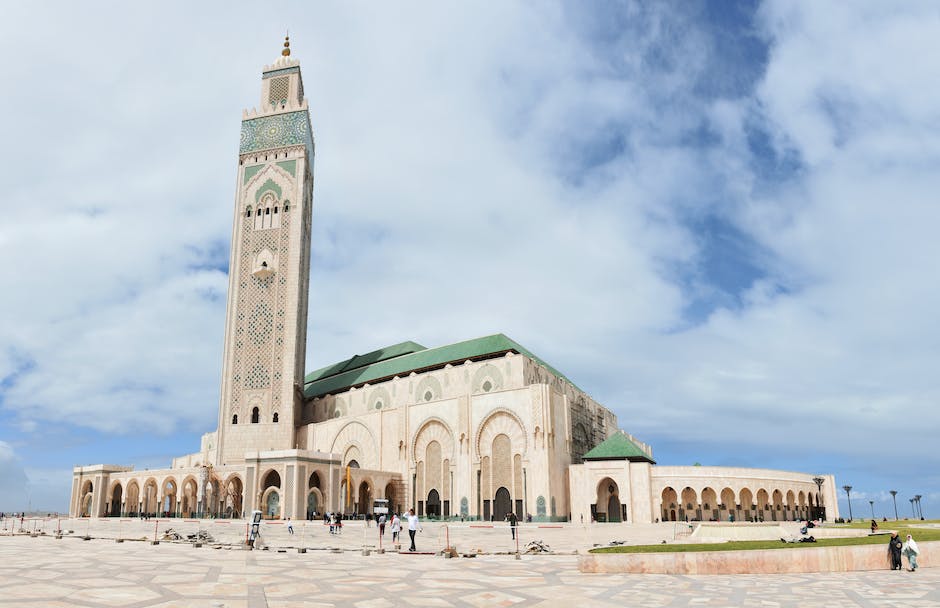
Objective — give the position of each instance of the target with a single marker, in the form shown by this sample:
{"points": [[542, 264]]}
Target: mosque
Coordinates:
{"points": [[471, 430]]}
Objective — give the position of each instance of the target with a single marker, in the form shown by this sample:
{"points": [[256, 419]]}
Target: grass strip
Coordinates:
{"points": [[919, 535]]}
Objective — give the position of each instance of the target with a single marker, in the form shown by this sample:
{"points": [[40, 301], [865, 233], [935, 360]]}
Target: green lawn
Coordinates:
{"points": [[738, 545], [884, 525]]}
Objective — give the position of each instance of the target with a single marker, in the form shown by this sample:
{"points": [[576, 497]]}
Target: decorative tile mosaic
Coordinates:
{"points": [[276, 131]]}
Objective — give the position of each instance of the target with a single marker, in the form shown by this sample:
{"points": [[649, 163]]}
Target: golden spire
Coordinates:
{"points": [[286, 51]]}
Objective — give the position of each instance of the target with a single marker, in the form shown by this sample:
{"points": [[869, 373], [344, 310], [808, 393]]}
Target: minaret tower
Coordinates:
{"points": [[266, 318]]}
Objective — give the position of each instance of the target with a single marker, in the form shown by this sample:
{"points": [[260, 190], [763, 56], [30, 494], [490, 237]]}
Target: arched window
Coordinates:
{"points": [[248, 212], [274, 418], [275, 210], [235, 419], [255, 415], [267, 211]]}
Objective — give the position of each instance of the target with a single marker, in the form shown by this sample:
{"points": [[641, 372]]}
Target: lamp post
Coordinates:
{"points": [[819, 510], [848, 495], [913, 513], [871, 503], [917, 498], [894, 494]]}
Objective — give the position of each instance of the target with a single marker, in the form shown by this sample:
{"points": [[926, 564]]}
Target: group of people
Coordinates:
{"points": [[908, 549], [414, 526]]}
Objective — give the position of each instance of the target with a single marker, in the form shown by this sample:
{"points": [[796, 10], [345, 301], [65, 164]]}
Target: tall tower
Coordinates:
{"points": [[266, 317]]}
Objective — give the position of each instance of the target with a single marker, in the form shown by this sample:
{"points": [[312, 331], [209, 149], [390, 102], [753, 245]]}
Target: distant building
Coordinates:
{"points": [[475, 429]]}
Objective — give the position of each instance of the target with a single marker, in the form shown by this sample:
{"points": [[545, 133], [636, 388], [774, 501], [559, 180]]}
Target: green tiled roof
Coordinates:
{"points": [[617, 447], [402, 359]]}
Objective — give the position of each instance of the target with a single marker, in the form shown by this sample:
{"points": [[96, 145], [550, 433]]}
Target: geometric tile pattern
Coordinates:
{"points": [[275, 131], [68, 573]]}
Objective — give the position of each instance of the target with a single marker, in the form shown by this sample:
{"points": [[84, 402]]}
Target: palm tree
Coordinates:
{"points": [[894, 494]]}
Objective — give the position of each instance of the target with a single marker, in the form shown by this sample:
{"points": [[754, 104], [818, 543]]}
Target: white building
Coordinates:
{"points": [[475, 429]]}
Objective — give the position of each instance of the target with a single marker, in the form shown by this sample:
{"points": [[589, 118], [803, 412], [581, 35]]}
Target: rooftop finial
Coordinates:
{"points": [[286, 51]]}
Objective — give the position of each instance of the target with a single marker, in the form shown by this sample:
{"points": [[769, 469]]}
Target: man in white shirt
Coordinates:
{"points": [[413, 526]]}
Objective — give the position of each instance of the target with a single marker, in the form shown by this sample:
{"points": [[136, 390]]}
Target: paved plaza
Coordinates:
{"points": [[45, 572]]}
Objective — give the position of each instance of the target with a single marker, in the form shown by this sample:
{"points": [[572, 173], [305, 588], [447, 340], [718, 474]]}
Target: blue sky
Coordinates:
{"points": [[718, 219]]}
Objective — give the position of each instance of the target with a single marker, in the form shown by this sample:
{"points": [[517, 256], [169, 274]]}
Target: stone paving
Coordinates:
{"points": [[44, 572]]}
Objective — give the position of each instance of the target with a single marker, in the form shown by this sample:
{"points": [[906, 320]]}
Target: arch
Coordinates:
{"points": [[314, 500], [500, 421], [486, 373], [356, 433], [365, 497], [670, 504], [132, 497], [151, 497], [234, 494], [747, 502], [271, 479], [502, 504], [274, 418], [255, 415], [352, 456], [116, 507], [776, 498], [314, 481], [170, 498], [87, 495], [378, 399], [189, 497], [608, 501], [433, 429], [802, 499], [428, 389], [271, 501], [433, 504], [234, 418], [709, 500]]}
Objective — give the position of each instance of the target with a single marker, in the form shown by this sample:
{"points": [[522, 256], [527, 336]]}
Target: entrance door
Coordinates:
{"points": [[433, 507], [502, 505], [311, 504], [613, 508]]}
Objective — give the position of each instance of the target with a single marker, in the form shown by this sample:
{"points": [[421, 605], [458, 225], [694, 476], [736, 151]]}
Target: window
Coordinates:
{"points": [[248, 212], [487, 386], [255, 415], [274, 418], [259, 211], [275, 210], [267, 211], [235, 419], [428, 395]]}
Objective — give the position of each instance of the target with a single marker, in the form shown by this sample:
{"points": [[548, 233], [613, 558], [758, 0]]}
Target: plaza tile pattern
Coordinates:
{"points": [[44, 572]]}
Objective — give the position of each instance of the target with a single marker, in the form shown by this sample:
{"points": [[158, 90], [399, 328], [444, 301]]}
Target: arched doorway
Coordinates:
{"points": [[313, 503], [168, 504], [433, 506], [365, 498], [607, 507], [272, 504], [232, 500], [502, 505], [116, 495], [86, 500], [132, 499], [670, 500]]}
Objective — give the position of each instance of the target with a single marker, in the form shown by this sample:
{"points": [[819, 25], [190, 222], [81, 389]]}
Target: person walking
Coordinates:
{"points": [[911, 551], [894, 551], [513, 522], [414, 524], [396, 527], [382, 524], [290, 526]]}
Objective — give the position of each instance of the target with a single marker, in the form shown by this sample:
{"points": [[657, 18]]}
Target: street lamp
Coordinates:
{"points": [[920, 509], [848, 495], [894, 494], [819, 481], [913, 513], [871, 503]]}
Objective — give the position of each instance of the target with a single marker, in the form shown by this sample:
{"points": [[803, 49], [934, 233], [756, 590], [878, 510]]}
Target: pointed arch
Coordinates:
{"points": [[358, 434]]}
